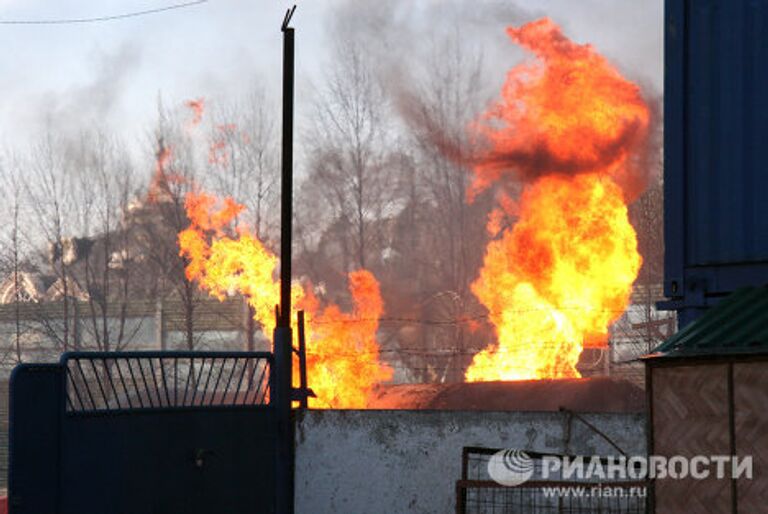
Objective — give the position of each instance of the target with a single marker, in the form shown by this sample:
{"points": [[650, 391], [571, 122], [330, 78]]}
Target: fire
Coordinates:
{"points": [[569, 112], [197, 106], [227, 265], [557, 279], [217, 153], [159, 188], [342, 352], [568, 126], [344, 365]]}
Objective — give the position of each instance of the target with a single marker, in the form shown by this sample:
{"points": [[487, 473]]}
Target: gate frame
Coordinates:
{"points": [[42, 417]]}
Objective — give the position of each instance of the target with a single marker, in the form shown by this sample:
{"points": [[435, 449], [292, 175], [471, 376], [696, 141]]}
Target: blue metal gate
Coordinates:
{"points": [[143, 433]]}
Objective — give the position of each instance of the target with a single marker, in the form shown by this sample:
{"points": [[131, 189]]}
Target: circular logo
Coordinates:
{"points": [[510, 467]]}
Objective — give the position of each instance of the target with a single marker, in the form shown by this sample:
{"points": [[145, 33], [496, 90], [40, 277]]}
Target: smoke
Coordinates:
{"points": [[416, 46], [401, 24], [96, 102], [413, 43]]}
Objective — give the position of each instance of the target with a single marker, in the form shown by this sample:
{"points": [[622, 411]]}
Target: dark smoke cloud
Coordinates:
{"points": [[537, 159], [402, 36]]}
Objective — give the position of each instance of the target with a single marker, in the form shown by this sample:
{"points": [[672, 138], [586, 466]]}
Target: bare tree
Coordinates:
{"points": [[13, 257], [648, 327], [243, 159], [109, 262], [443, 228], [157, 219], [51, 190], [76, 190], [348, 160], [449, 99], [643, 327]]}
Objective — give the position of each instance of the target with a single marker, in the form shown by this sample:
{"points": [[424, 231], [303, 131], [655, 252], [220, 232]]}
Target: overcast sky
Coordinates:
{"points": [[114, 71]]}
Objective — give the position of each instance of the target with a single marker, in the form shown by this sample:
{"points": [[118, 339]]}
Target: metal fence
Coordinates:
{"points": [[143, 433], [161, 380], [476, 493]]}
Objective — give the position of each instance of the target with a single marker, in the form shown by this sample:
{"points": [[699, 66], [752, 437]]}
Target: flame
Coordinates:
{"points": [[217, 153], [342, 352], [159, 188], [197, 106], [569, 112], [343, 363], [568, 126]]}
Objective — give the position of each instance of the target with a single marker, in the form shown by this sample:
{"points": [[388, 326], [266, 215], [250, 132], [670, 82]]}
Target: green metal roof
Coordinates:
{"points": [[736, 325]]}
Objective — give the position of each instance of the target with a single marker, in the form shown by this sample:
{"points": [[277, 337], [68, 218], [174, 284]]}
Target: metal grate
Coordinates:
{"points": [[476, 493], [107, 381], [483, 497]]}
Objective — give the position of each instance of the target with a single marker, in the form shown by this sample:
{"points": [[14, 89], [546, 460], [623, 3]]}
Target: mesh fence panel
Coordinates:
{"points": [[476, 493]]}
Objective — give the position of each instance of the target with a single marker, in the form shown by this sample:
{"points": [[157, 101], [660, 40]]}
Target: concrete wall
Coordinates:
{"points": [[393, 462]]}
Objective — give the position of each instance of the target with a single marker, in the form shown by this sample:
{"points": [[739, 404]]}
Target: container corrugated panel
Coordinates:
{"points": [[716, 138]]}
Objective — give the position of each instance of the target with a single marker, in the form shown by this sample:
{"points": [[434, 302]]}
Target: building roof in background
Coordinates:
{"points": [[738, 325]]}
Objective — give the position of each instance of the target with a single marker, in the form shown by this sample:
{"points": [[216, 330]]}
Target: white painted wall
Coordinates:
{"points": [[393, 462]]}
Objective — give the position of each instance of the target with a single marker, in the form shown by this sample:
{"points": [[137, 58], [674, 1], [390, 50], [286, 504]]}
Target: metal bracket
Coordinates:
{"points": [[287, 19], [298, 394]]}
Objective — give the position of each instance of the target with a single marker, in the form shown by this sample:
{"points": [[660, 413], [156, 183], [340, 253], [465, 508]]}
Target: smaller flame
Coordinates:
{"points": [[343, 361], [197, 106], [343, 364], [159, 188], [217, 153]]}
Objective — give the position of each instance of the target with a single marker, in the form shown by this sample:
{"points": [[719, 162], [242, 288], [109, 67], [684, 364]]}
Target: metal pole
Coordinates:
{"points": [[286, 211], [283, 340], [160, 325], [302, 362]]}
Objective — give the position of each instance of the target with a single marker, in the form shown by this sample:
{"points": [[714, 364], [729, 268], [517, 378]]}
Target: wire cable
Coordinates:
{"points": [[113, 17]]}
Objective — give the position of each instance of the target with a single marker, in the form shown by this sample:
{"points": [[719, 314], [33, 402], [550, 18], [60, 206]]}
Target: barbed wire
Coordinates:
{"points": [[112, 17], [459, 320], [417, 321], [443, 352], [440, 354]]}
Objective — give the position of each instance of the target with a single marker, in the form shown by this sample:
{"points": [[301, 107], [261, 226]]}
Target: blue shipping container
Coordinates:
{"points": [[715, 139]]}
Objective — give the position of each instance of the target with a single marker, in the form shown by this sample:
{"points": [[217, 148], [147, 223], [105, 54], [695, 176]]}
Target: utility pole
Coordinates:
{"points": [[283, 346]]}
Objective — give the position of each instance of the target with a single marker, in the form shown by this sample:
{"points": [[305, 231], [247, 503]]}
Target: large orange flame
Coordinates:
{"points": [[568, 112], [343, 363], [568, 126]]}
